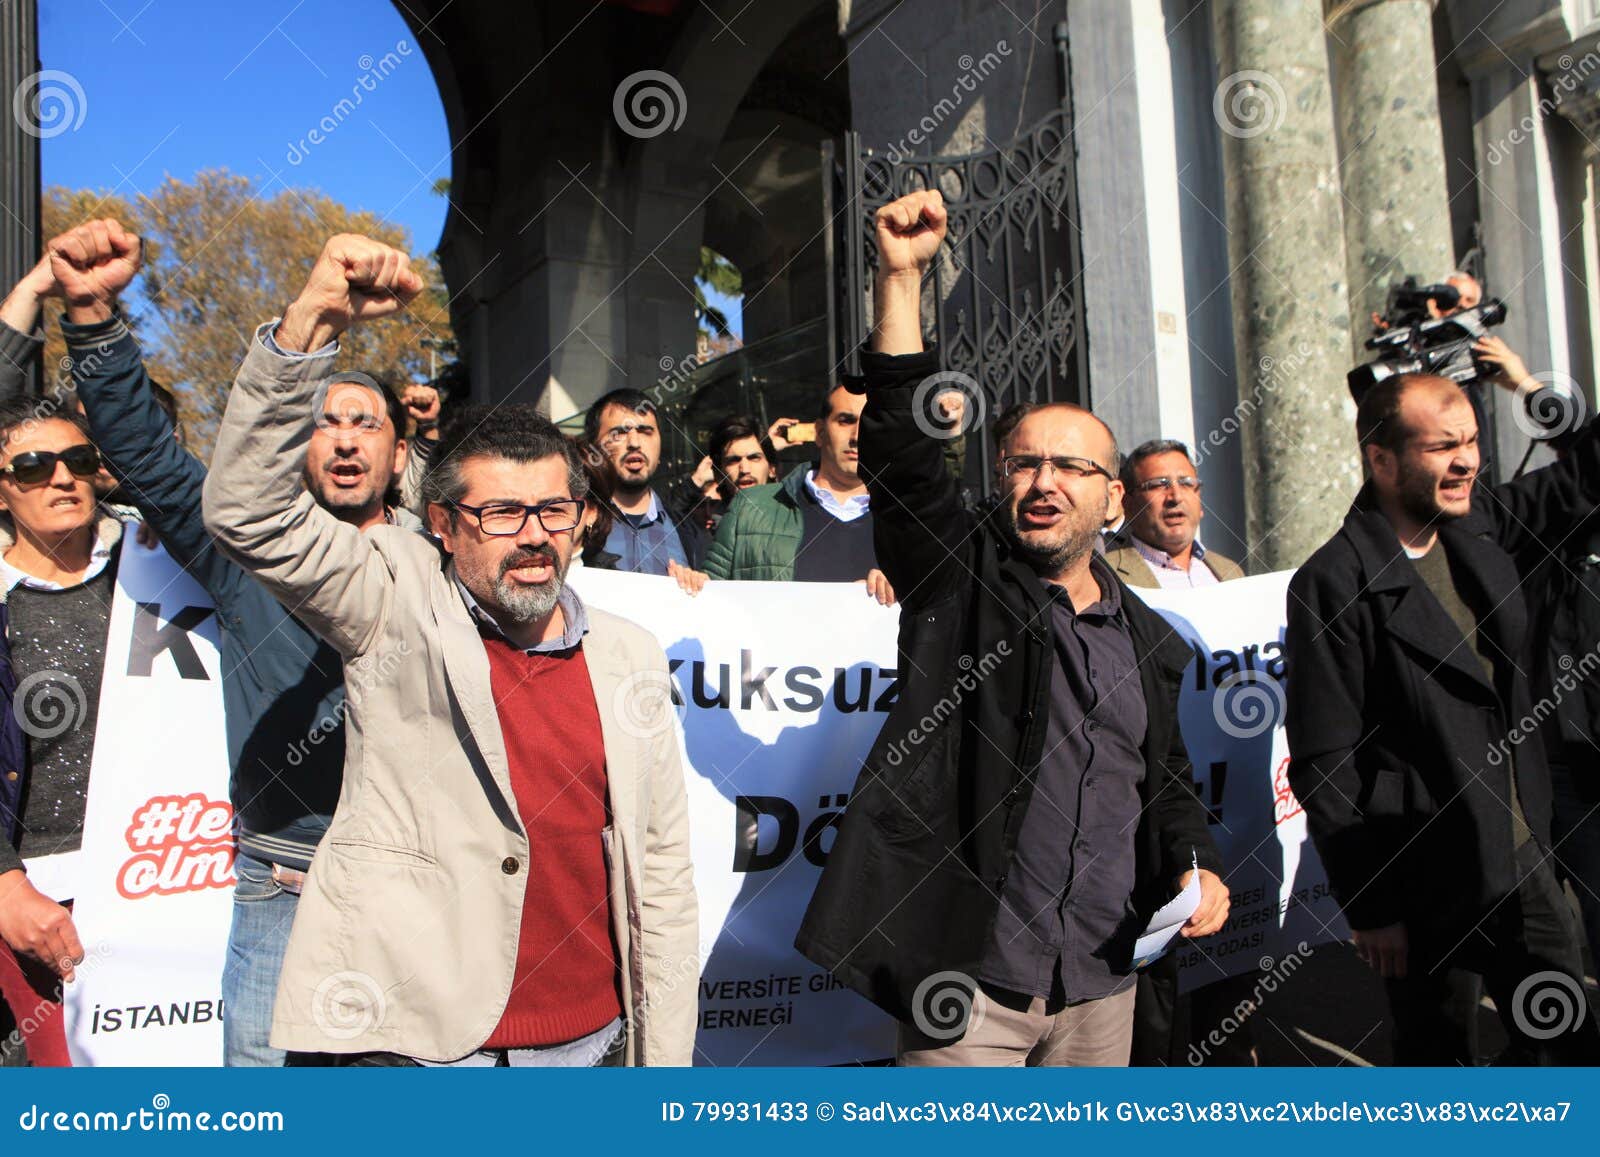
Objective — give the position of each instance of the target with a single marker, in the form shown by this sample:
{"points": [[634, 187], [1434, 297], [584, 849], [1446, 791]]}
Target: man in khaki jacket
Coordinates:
{"points": [[506, 879], [1158, 544]]}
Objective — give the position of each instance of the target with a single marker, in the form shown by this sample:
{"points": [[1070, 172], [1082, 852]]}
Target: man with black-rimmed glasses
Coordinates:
{"points": [[506, 880]]}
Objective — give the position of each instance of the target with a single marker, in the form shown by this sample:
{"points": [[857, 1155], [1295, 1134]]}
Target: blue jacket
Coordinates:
{"points": [[282, 687]]}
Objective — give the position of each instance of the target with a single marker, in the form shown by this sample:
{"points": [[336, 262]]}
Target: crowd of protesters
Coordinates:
{"points": [[344, 518]]}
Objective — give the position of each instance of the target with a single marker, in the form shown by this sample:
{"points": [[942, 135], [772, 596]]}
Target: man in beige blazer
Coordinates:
{"points": [[1158, 543], [506, 879]]}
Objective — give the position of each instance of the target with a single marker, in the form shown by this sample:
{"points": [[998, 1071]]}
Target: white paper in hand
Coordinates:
{"points": [[1164, 925]]}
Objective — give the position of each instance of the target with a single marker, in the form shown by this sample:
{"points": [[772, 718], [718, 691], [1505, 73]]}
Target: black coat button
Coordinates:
{"points": [[509, 865]]}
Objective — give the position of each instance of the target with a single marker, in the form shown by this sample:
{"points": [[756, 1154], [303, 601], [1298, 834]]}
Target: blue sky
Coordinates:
{"points": [[176, 86]]}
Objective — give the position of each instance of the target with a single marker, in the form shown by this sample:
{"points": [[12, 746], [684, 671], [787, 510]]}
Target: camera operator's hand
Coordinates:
{"points": [[92, 265], [1512, 372], [909, 233], [355, 279]]}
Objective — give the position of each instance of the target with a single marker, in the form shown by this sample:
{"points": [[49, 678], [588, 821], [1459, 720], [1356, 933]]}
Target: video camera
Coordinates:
{"points": [[1412, 341]]}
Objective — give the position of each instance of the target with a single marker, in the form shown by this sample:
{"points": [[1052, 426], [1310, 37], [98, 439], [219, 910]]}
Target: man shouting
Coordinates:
{"points": [[506, 880]]}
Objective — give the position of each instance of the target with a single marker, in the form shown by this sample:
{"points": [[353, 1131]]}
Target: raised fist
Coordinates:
{"points": [[92, 265], [422, 403], [355, 279], [910, 231]]}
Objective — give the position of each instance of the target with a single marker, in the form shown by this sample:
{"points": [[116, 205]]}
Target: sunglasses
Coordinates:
{"points": [[34, 466]]}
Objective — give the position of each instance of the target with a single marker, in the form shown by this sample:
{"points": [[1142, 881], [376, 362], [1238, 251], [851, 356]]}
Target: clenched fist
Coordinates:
{"points": [[92, 265], [355, 279], [422, 403], [910, 232]]}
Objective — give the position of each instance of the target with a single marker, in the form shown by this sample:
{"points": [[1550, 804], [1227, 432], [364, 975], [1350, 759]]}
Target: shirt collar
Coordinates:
{"points": [[573, 613], [1157, 557], [11, 577], [844, 509], [1109, 603], [653, 513]]}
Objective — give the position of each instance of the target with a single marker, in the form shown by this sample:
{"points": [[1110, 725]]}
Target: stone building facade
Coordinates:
{"points": [[1251, 175]]}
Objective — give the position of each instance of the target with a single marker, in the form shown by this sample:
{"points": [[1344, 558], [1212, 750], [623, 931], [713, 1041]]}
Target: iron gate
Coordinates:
{"points": [[1006, 301]]}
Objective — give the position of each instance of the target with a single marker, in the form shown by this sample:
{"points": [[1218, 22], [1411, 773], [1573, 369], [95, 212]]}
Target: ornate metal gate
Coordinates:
{"points": [[1006, 301]]}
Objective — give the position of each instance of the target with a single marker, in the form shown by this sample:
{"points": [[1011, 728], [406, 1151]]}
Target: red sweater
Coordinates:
{"points": [[567, 973]]}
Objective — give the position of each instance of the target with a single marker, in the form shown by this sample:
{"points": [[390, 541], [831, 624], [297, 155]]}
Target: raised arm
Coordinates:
{"points": [[323, 570], [423, 404], [920, 528], [93, 264], [20, 338]]}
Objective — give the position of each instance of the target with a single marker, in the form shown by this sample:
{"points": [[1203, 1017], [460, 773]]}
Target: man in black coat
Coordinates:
{"points": [[1426, 791], [1028, 803]]}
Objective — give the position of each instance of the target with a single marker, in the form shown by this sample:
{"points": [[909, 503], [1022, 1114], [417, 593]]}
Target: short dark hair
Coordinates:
{"points": [[1378, 414], [514, 432], [731, 429], [23, 412], [825, 410], [1149, 450], [626, 397], [1008, 422]]}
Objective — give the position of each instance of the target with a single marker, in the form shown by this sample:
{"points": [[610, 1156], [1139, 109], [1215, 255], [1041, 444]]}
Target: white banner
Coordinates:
{"points": [[784, 687], [154, 883], [1232, 714]]}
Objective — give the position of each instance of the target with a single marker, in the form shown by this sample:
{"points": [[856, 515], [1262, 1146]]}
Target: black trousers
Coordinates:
{"points": [[1531, 936]]}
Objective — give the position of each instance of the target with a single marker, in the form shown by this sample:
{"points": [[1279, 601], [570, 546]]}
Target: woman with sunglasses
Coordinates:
{"points": [[58, 554]]}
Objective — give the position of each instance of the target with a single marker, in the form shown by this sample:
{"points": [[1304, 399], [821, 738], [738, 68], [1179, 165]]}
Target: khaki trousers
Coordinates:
{"points": [[1091, 1033]]}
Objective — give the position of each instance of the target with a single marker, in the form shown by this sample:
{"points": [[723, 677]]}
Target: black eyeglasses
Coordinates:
{"points": [[34, 466], [1027, 466], [504, 519]]}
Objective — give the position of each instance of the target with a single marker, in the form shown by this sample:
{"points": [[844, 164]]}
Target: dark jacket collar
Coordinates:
{"points": [[1153, 636], [1414, 616]]}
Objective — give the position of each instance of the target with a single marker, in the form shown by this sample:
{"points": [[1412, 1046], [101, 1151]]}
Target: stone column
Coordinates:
{"points": [[1286, 252], [1391, 152]]}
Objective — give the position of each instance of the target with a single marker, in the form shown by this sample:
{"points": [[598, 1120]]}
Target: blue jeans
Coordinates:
{"points": [[262, 916]]}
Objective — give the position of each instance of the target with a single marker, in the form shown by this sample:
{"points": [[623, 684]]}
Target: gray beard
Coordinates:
{"points": [[522, 605]]}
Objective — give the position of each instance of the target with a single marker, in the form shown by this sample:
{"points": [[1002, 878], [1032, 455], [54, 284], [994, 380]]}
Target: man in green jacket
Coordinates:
{"points": [[815, 525]]}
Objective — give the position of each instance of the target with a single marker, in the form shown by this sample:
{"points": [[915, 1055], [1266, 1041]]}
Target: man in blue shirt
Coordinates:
{"points": [[649, 535]]}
